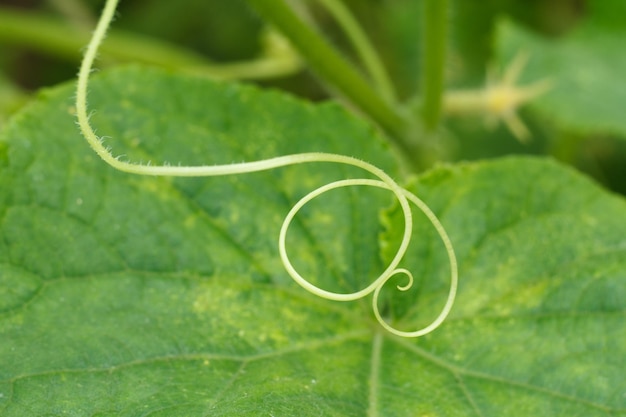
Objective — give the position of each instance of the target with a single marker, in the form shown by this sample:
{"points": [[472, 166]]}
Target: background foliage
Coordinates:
{"points": [[586, 33]]}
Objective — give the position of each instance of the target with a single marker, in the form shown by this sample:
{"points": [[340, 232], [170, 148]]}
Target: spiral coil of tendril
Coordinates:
{"points": [[384, 181], [403, 197]]}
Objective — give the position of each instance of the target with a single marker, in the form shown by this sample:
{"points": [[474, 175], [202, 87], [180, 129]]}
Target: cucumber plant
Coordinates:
{"points": [[196, 271]]}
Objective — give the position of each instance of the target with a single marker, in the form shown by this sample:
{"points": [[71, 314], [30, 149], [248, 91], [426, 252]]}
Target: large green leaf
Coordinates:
{"points": [[123, 295], [586, 68]]}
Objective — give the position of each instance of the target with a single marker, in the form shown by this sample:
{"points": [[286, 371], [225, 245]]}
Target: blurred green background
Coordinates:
{"points": [[41, 41]]}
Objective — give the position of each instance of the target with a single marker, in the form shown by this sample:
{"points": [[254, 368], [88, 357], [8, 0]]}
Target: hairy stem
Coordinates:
{"points": [[433, 55], [384, 181]]}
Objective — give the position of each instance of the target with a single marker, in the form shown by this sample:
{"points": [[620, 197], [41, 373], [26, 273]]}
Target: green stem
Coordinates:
{"points": [[362, 45], [57, 38], [332, 68], [54, 37], [434, 42]]}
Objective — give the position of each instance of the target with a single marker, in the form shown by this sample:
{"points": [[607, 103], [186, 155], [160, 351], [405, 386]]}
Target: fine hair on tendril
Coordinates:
{"points": [[383, 181]]}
